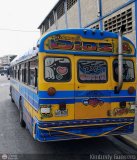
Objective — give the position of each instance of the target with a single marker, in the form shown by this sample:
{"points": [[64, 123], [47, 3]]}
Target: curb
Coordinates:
{"points": [[128, 140]]}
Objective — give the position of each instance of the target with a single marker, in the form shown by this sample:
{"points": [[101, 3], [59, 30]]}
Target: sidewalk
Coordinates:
{"points": [[132, 138]]}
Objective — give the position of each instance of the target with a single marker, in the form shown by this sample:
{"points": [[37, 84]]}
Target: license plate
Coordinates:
{"points": [[59, 113]]}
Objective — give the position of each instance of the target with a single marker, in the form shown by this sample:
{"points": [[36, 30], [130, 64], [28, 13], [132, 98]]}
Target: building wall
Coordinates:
{"points": [[73, 17], [130, 34], [109, 5], [89, 13]]}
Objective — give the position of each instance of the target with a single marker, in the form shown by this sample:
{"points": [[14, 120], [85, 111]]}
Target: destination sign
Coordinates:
{"points": [[68, 43]]}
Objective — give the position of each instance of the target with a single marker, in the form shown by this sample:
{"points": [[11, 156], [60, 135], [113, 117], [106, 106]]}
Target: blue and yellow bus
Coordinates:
{"points": [[77, 83]]}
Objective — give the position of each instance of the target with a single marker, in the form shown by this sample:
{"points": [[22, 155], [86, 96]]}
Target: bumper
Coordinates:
{"points": [[80, 129]]}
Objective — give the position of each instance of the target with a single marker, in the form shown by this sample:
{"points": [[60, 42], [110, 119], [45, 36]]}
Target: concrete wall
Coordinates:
{"points": [[109, 5], [130, 35], [89, 11], [73, 17]]}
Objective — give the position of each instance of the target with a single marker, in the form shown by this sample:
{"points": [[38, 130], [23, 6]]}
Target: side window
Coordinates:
{"points": [[128, 71], [33, 73], [27, 72], [22, 73], [19, 72]]}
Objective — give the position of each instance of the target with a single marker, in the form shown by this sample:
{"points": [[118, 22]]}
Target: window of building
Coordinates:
{"points": [[114, 23], [60, 10], [46, 25], [51, 19], [95, 26], [92, 71], [70, 3]]}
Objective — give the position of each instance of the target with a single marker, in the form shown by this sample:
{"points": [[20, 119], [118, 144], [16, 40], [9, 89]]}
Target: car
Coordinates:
{"points": [[2, 74]]}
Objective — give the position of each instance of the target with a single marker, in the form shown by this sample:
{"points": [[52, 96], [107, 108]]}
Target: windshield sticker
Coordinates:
{"points": [[92, 71]]}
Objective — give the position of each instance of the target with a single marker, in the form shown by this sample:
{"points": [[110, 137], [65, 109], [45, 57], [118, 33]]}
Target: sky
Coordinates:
{"points": [[24, 16]]}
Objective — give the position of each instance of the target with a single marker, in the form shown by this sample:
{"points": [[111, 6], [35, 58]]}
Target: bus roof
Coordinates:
{"points": [[78, 41]]}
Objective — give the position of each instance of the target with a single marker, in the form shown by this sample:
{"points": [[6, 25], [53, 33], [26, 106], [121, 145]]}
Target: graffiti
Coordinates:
{"points": [[57, 69], [126, 48], [92, 70], [62, 70], [62, 44], [105, 47], [78, 43], [121, 111], [93, 102]]}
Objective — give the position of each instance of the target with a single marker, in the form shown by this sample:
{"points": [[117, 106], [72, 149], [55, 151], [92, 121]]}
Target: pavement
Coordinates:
{"points": [[131, 139], [17, 141]]}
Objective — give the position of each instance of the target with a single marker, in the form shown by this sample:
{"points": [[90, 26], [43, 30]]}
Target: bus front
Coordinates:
{"points": [[79, 87]]}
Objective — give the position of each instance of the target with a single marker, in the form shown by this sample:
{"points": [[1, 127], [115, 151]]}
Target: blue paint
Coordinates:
{"points": [[86, 93], [91, 131], [89, 35], [100, 11], [79, 14]]}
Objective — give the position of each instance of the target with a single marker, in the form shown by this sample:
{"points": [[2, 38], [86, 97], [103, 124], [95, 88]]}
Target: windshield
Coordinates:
{"points": [[57, 69], [92, 71], [128, 71]]}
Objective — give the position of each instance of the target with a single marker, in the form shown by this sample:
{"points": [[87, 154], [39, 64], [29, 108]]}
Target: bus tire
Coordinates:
{"points": [[22, 122]]}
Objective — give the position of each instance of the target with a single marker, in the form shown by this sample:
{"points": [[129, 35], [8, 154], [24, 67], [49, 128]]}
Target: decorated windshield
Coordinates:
{"points": [[92, 71], [57, 69], [128, 70]]}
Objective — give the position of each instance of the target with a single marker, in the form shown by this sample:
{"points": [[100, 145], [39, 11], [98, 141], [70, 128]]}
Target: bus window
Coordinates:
{"points": [[92, 71], [128, 71], [32, 73], [22, 73], [27, 72], [57, 69]]}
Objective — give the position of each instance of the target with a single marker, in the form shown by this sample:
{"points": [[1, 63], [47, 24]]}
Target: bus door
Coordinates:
{"points": [[93, 87]]}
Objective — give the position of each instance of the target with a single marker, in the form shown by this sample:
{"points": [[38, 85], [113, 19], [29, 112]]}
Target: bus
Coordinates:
{"points": [[75, 84]]}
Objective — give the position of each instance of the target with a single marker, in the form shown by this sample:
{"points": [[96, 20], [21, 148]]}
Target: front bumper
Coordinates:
{"points": [[79, 129]]}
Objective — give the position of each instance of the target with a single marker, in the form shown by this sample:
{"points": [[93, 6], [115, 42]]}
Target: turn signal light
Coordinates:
{"points": [[62, 106], [122, 104], [131, 90], [51, 91]]}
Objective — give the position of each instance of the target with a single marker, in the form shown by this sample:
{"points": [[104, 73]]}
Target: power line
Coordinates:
{"points": [[16, 30]]}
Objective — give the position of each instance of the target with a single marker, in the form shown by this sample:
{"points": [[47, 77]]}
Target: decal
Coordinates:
{"points": [[62, 70], [105, 47], [126, 48], [57, 69], [84, 46], [92, 70], [121, 111], [74, 42], [93, 102]]}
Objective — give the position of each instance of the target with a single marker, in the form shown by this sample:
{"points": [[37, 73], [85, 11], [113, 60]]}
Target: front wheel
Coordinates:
{"points": [[22, 122]]}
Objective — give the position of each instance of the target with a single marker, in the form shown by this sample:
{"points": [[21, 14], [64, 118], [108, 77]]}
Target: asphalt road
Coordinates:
{"points": [[16, 140]]}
